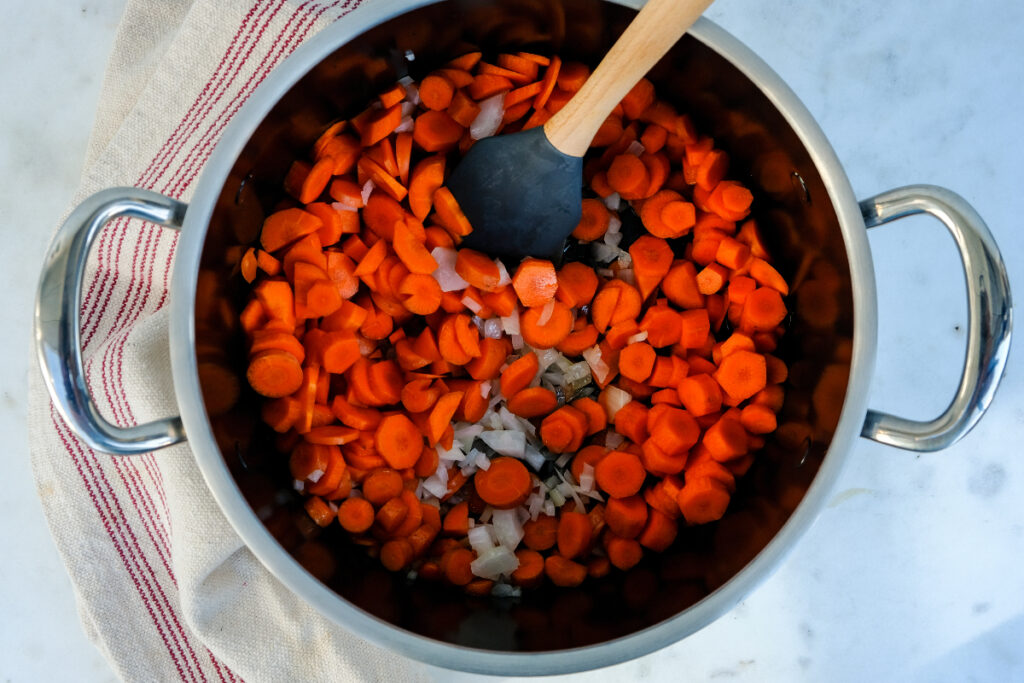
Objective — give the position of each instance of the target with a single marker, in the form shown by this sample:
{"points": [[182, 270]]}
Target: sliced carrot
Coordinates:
{"points": [[574, 534], [703, 500], [597, 419], [532, 402], [563, 572], [535, 282], [620, 474], [627, 516], [552, 331], [594, 221], [518, 375], [356, 515], [436, 92], [505, 484], [652, 259]]}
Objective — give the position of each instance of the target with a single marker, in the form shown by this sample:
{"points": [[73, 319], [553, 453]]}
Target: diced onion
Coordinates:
{"points": [[563, 459], [493, 563], [412, 91], [638, 337], [612, 239], [510, 323], [636, 148], [341, 206], [299, 485], [367, 190], [613, 201], [614, 224], [505, 441], [587, 478], [503, 277], [406, 125], [598, 368], [493, 328], [485, 389], [613, 439], [545, 358], [627, 275], [485, 516], [315, 475], [549, 508], [470, 303], [408, 109], [546, 313], [534, 458], [480, 538], [507, 528], [445, 274], [486, 123], [483, 462], [517, 341], [612, 399]]}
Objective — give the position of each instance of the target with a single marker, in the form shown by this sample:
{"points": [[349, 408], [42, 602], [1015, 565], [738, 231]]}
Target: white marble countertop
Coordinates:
{"points": [[913, 572]]}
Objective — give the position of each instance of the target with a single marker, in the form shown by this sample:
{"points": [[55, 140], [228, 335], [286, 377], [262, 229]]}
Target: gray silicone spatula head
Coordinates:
{"points": [[521, 195], [521, 192]]}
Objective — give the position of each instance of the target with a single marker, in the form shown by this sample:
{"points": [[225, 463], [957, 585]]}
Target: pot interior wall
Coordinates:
{"points": [[792, 208]]}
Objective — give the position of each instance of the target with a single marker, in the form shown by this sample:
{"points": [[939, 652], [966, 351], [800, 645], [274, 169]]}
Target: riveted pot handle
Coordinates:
{"points": [[57, 323], [989, 317]]}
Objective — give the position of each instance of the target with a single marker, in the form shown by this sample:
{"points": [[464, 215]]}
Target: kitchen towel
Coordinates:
{"points": [[165, 588]]}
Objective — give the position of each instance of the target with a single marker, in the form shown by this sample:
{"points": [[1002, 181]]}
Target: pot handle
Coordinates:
{"points": [[57, 319], [989, 317]]}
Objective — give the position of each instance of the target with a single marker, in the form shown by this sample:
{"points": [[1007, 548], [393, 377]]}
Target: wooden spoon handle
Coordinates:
{"points": [[650, 35]]}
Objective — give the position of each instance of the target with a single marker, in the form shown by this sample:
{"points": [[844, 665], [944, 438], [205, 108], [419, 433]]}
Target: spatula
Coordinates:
{"points": [[522, 192]]}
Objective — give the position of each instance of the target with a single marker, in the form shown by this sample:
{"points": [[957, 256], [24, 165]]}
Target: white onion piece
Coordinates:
{"points": [[563, 459], [612, 239], [485, 389], [556, 497], [503, 277], [366, 346], [341, 206], [507, 528], [517, 342], [614, 224], [534, 458], [626, 275], [299, 485], [480, 538], [636, 148], [598, 368], [445, 274], [470, 303], [549, 508], [494, 563], [505, 441], [613, 202], [465, 433], [367, 190], [638, 337], [493, 328], [606, 272], [407, 125], [486, 123], [412, 92], [485, 516], [454, 454], [546, 313], [587, 478], [535, 503], [408, 109], [315, 475], [545, 359], [510, 323], [604, 253], [435, 487], [483, 462], [612, 439], [612, 399]]}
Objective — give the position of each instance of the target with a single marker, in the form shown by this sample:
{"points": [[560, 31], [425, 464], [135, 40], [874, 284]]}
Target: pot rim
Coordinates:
{"points": [[338, 610]]}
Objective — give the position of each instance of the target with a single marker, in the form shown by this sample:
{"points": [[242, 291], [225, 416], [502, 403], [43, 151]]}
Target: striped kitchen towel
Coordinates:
{"points": [[166, 589]]}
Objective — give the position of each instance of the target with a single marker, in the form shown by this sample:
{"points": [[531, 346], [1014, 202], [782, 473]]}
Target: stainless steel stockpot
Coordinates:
{"points": [[806, 206]]}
